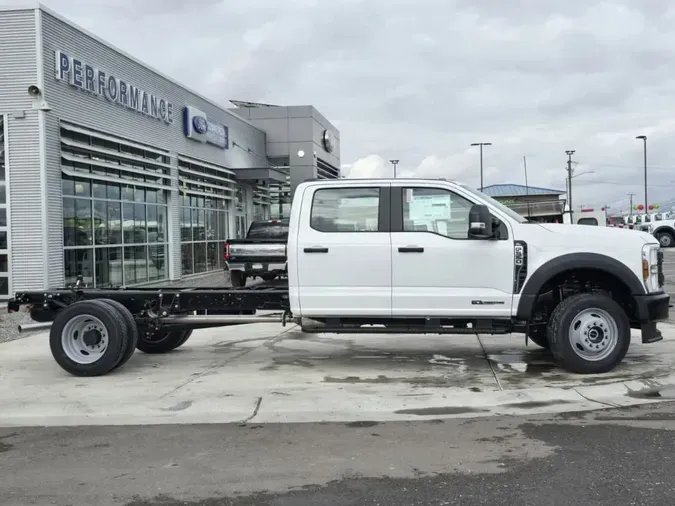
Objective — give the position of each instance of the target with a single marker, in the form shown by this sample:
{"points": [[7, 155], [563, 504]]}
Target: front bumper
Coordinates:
{"points": [[652, 308]]}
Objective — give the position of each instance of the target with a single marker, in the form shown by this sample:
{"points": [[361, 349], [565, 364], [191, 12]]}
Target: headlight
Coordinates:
{"points": [[650, 267]]}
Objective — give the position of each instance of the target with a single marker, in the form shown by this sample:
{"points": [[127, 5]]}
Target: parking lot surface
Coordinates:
{"points": [[264, 373], [267, 373]]}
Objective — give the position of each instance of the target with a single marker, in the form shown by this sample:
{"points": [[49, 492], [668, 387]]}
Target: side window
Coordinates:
{"points": [[436, 210], [587, 221], [345, 210]]}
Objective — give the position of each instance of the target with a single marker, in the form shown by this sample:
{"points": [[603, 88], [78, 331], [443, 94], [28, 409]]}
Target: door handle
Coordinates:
{"points": [[411, 249], [316, 250]]}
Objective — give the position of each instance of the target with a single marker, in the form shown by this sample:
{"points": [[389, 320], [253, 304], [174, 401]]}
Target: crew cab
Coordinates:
{"points": [[261, 254], [407, 256]]}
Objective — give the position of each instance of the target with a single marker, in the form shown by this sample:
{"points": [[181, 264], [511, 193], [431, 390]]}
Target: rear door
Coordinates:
{"points": [[343, 251]]}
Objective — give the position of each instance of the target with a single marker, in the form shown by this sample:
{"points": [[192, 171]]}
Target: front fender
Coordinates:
{"points": [[571, 262]]}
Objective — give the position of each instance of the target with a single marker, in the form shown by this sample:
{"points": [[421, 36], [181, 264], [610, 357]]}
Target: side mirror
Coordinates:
{"points": [[480, 222]]}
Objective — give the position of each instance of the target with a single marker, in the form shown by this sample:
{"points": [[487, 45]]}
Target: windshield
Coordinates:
{"points": [[275, 229], [506, 210]]}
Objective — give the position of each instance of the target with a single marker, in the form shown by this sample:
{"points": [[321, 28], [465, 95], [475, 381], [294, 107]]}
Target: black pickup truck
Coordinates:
{"points": [[262, 254]]}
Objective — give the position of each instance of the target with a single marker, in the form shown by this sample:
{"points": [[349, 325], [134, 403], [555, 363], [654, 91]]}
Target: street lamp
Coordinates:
{"points": [[394, 163], [481, 144], [644, 142]]}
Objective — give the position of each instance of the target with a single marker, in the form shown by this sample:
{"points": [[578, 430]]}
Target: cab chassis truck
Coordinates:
{"points": [[575, 290]]}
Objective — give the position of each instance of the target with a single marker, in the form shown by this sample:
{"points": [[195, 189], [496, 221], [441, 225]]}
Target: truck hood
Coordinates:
{"points": [[562, 232]]}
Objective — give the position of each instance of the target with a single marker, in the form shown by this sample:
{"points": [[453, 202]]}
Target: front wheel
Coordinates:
{"points": [[666, 239], [589, 333]]}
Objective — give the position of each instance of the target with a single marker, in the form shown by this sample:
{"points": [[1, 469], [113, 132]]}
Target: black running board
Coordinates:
{"points": [[406, 326]]}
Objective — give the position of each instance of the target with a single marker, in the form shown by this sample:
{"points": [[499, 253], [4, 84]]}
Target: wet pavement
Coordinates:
{"points": [[265, 373]]}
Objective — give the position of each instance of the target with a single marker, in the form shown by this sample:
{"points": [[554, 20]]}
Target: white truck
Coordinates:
{"points": [[593, 216], [409, 256], [663, 230]]}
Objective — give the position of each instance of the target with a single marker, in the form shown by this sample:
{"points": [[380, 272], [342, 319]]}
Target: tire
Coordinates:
{"points": [[132, 330], [538, 335], [589, 333], [67, 332], [237, 278], [161, 341], [666, 239]]}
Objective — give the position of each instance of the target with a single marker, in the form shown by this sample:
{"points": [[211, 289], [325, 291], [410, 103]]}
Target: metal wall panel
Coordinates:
{"points": [[18, 65], [19, 70], [29, 271]]}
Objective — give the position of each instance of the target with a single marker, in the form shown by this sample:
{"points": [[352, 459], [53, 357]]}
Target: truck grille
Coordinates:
{"points": [[659, 258]]}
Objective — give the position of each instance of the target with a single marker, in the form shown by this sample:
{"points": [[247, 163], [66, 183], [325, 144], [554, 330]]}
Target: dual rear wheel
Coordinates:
{"points": [[94, 337]]}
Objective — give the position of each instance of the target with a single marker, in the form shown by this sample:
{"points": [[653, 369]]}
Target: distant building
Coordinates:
{"points": [[533, 202]]}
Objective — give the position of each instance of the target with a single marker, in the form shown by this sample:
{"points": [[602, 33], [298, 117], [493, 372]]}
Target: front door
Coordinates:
{"points": [[343, 252], [436, 269]]}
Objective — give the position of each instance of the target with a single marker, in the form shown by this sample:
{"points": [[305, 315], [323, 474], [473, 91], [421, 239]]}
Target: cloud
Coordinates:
{"points": [[420, 81]]}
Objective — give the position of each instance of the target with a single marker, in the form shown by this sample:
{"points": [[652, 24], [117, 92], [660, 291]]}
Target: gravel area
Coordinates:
{"points": [[9, 324]]}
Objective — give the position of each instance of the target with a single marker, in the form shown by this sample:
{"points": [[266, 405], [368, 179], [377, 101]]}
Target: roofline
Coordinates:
{"points": [[39, 6], [553, 191], [381, 179]]}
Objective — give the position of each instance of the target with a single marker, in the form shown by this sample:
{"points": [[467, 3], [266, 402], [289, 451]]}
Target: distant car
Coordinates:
{"points": [[262, 254]]}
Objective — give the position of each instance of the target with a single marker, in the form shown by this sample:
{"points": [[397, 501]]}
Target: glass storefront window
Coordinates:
{"points": [[112, 242], [205, 206], [203, 233]]}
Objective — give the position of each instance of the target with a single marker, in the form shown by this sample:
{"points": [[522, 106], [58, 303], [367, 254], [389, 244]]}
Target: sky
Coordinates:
{"points": [[421, 80]]}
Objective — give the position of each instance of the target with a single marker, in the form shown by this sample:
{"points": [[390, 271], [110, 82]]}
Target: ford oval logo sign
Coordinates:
{"points": [[200, 124]]}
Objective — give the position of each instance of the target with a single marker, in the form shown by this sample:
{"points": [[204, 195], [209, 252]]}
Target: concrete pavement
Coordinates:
{"points": [[263, 373]]}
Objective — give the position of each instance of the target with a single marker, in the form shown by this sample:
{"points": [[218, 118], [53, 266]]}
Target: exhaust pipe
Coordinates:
{"points": [[34, 327]]}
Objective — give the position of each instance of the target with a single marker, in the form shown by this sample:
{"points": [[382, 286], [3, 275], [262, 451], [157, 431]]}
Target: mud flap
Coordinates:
{"points": [[650, 334]]}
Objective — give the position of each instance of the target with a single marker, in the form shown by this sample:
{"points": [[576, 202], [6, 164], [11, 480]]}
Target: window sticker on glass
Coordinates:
{"points": [[409, 195]]}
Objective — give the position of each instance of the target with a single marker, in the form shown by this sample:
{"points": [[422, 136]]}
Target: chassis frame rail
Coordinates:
{"points": [[157, 303]]}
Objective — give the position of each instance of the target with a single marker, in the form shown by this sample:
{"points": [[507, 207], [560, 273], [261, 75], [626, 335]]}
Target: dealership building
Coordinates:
{"points": [[111, 170]]}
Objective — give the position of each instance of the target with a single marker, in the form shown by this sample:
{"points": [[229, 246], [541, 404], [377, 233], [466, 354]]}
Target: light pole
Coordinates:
{"points": [[394, 163], [644, 142], [569, 154], [630, 198], [481, 144]]}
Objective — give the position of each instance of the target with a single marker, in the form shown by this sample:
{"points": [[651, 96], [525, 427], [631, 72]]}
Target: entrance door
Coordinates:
{"points": [[342, 252], [436, 269]]}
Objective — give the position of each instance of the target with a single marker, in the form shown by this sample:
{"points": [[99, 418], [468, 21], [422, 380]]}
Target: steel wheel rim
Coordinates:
{"points": [[665, 240], [84, 339], [593, 334]]}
